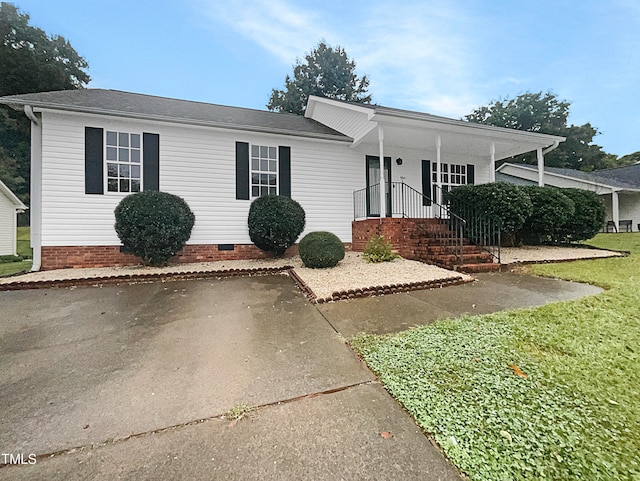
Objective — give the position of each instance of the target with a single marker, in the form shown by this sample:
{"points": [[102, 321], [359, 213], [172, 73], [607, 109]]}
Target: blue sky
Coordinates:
{"points": [[441, 57]]}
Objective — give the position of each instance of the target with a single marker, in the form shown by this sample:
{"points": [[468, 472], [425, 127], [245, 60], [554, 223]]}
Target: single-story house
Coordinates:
{"points": [[619, 187], [10, 206], [92, 147]]}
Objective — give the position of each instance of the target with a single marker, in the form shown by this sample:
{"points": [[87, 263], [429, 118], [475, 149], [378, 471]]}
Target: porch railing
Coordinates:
{"points": [[482, 229], [405, 202], [409, 203]]}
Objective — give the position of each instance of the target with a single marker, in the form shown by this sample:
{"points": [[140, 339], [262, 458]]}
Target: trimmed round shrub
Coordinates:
{"points": [[505, 201], [275, 223], [321, 249], [587, 219], [153, 225], [551, 210]]}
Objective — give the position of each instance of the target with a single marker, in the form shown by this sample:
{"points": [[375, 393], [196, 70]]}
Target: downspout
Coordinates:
{"points": [[552, 147], [540, 153], [36, 187], [28, 110]]}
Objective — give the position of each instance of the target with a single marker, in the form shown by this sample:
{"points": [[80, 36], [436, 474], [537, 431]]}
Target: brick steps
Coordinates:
{"points": [[426, 240]]}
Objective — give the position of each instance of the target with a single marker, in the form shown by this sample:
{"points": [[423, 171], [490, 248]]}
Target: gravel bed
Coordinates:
{"points": [[351, 273], [511, 255]]}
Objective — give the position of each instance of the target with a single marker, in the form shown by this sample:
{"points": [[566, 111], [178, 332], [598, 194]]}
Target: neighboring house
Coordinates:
{"points": [[619, 188], [92, 147], [10, 206]]}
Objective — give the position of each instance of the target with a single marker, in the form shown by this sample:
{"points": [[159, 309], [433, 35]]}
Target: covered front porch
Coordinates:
{"points": [[423, 158]]}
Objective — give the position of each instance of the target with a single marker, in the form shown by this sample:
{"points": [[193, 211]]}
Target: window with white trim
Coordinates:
{"points": [[264, 170], [451, 175], [124, 165]]}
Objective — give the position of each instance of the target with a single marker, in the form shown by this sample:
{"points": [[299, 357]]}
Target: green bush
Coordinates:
{"points": [[551, 211], [153, 225], [587, 219], [505, 201], [321, 249], [378, 250], [10, 258], [275, 223]]}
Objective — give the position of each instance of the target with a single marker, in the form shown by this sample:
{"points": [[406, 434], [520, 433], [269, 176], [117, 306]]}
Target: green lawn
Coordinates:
{"points": [[24, 250], [576, 414], [24, 242]]}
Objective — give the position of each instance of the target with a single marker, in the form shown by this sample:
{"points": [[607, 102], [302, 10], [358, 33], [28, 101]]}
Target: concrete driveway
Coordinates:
{"points": [[129, 382]]}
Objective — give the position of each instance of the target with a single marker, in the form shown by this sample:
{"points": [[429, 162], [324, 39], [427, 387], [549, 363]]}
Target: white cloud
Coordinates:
{"points": [[279, 27], [417, 56]]}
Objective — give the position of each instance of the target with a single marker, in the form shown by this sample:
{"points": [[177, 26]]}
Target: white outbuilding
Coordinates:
{"points": [[10, 206]]}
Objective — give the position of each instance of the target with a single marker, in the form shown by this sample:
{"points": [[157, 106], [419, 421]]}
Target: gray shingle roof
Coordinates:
{"points": [[511, 179], [115, 102], [629, 174], [621, 177]]}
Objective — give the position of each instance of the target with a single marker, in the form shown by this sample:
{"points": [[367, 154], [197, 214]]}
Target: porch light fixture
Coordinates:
{"points": [[399, 161]]}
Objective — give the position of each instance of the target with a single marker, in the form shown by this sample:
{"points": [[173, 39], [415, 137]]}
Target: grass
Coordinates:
{"points": [[24, 242], [24, 250], [545, 393]]}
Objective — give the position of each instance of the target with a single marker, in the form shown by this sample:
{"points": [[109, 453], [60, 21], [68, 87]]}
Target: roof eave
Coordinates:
{"points": [[382, 112], [18, 204], [617, 188], [184, 121]]}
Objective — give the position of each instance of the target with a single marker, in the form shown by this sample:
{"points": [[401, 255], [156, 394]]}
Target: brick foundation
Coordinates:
{"points": [[62, 257]]}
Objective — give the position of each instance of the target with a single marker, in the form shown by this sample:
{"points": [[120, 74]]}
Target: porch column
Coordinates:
{"points": [[383, 186], [540, 167], [615, 208], [438, 171], [492, 164]]}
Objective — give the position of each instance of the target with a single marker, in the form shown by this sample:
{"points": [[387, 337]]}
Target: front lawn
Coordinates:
{"points": [[24, 250], [545, 393]]}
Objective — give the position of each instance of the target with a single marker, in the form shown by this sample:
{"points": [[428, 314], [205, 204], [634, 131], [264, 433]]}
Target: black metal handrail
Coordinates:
{"points": [[482, 229], [410, 203]]}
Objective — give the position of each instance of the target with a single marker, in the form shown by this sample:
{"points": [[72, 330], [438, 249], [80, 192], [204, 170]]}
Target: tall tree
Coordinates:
{"points": [[30, 61], [326, 72], [544, 113]]}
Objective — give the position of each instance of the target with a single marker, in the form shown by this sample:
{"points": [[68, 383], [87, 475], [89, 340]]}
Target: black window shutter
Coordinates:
{"points": [[242, 171], [151, 161], [471, 174], [426, 182], [93, 161], [284, 170]]}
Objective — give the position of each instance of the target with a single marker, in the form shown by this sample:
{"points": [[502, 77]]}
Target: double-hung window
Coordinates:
{"points": [[264, 170], [123, 159], [451, 175]]}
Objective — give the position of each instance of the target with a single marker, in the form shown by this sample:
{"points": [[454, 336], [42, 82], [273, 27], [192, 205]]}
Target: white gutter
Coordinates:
{"points": [[28, 109]]}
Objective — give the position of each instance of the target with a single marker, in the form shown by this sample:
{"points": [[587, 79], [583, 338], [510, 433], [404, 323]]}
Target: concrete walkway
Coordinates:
{"points": [[132, 381]]}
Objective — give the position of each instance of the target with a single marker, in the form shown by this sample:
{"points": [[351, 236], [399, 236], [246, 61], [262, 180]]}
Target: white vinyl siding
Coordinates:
{"points": [[7, 226], [198, 164]]}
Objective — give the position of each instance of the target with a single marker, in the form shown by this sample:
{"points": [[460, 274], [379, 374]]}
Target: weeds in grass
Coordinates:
{"points": [[576, 415]]}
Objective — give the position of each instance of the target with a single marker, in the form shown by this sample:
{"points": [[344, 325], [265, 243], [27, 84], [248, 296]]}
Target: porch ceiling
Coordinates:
{"points": [[458, 137]]}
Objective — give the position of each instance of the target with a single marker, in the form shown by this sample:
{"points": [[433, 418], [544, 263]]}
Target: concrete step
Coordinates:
{"points": [[485, 267]]}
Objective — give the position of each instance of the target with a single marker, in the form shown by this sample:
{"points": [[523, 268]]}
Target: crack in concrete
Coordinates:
{"points": [[78, 449]]}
